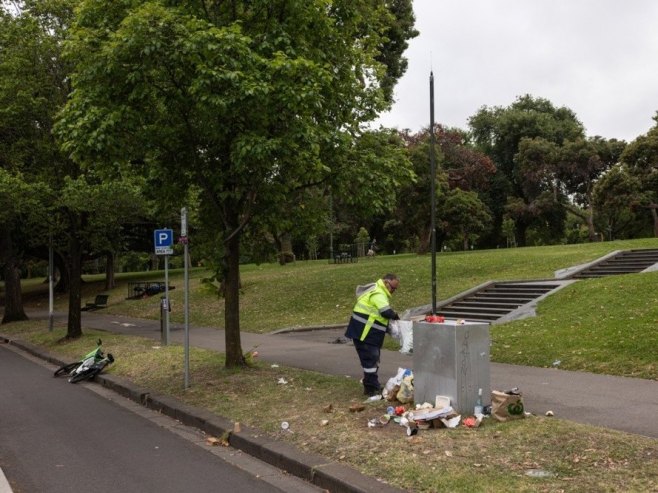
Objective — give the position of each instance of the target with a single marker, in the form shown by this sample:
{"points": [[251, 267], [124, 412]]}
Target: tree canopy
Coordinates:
{"points": [[245, 100]]}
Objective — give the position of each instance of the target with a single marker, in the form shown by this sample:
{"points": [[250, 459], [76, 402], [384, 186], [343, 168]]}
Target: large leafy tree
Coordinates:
{"points": [[245, 100], [498, 132], [85, 211], [580, 164], [28, 99], [464, 217], [641, 161]]}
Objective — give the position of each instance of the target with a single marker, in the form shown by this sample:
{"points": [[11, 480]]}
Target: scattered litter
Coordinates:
{"points": [[412, 430], [406, 392], [236, 427], [357, 408], [285, 426], [156, 347], [126, 324], [213, 441], [432, 413], [539, 473], [424, 405], [384, 419], [282, 381], [549, 413], [441, 401], [451, 422], [557, 362], [448, 453], [328, 408], [274, 365], [324, 422], [473, 421]]}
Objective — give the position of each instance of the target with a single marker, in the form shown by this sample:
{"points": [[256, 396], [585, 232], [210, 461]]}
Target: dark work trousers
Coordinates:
{"points": [[369, 357]]}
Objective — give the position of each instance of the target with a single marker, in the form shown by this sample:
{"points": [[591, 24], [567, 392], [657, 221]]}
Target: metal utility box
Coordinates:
{"points": [[452, 360]]}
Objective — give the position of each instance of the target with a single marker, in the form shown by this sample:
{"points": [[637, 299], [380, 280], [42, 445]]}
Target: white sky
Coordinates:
{"points": [[597, 57]]}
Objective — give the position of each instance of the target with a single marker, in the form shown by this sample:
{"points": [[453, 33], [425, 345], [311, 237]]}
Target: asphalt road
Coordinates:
{"points": [[60, 437]]}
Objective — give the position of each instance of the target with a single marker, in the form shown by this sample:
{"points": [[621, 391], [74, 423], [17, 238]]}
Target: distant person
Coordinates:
{"points": [[369, 324]]}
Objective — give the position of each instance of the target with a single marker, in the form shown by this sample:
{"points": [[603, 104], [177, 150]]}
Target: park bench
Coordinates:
{"points": [[99, 302], [144, 289]]}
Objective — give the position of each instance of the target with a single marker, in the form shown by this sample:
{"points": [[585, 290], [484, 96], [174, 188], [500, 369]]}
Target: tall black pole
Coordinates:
{"points": [[433, 193]]}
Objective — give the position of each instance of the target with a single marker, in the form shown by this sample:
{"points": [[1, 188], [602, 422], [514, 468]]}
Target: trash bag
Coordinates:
{"points": [[406, 392], [392, 387], [406, 336]]}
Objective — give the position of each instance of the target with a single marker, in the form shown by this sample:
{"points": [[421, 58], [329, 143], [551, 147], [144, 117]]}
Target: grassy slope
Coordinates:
{"points": [[603, 326]]}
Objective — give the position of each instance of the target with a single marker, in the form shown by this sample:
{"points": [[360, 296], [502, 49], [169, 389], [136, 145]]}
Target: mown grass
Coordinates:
{"points": [[605, 326]]}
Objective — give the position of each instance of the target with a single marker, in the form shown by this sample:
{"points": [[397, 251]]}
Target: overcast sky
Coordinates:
{"points": [[597, 57]]}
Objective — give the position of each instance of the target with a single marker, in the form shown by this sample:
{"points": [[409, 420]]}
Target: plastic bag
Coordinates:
{"points": [[394, 329], [392, 387], [406, 336], [406, 392]]}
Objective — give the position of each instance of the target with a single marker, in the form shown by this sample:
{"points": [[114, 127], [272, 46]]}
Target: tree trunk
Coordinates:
{"points": [[234, 356], [74, 326], [63, 284], [14, 310], [521, 229], [591, 232], [110, 283], [654, 215]]}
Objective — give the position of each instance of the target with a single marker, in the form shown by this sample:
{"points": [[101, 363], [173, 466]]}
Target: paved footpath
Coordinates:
{"points": [[626, 404]]}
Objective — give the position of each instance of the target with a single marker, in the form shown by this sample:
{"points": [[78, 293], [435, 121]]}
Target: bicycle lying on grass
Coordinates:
{"points": [[91, 365]]}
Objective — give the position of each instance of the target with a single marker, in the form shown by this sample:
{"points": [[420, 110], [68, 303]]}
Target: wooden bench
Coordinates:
{"points": [[99, 302]]}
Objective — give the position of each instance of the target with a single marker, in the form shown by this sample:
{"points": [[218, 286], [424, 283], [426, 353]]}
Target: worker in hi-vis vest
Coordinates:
{"points": [[369, 324]]}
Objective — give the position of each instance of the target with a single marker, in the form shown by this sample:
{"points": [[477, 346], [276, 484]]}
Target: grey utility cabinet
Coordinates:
{"points": [[452, 359]]}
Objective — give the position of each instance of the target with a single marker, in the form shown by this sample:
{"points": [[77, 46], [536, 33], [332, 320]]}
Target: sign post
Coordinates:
{"points": [[164, 241], [184, 241]]}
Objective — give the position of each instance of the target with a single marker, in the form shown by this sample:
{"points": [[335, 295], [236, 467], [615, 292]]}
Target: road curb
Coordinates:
{"points": [[320, 471]]}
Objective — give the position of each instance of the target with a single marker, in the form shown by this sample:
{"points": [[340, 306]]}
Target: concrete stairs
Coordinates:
{"points": [[619, 262], [498, 302]]}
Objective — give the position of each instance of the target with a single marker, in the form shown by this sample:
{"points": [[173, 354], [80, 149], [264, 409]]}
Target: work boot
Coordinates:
{"points": [[371, 391]]}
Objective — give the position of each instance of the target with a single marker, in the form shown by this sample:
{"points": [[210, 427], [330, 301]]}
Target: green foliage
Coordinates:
{"points": [[521, 140], [244, 101], [465, 217]]}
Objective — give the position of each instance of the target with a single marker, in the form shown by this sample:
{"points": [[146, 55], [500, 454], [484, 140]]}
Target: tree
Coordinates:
{"points": [[464, 217], [243, 100], [641, 161], [26, 101], [84, 211], [498, 132], [614, 194], [580, 164]]}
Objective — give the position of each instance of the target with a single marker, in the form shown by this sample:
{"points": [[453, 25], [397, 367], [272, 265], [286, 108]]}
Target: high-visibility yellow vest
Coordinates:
{"points": [[365, 305]]}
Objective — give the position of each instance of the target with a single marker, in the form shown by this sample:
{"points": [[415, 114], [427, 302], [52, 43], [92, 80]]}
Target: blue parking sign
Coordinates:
{"points": [[163, 239]]}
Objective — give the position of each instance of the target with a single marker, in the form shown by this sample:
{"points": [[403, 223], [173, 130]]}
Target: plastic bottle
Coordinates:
{"points": [[478, 404]]}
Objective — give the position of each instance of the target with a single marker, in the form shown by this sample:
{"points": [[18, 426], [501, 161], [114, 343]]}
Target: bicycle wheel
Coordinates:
{"points": [[87, 375], [66, 369]]}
